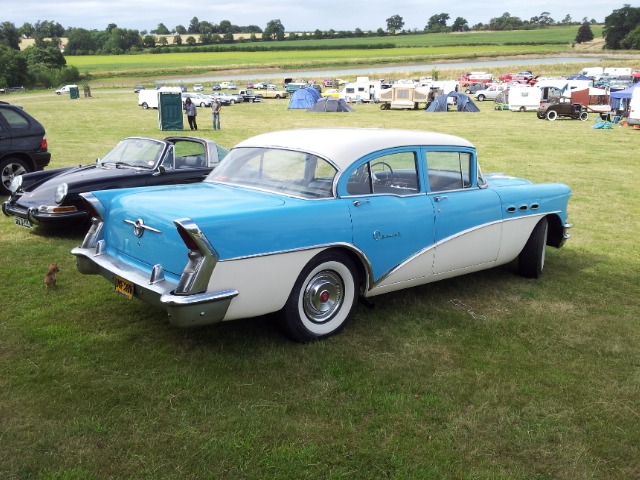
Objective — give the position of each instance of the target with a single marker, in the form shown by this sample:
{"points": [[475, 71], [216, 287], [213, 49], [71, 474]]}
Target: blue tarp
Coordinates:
{"points": [[626, 93], [304, 98]]}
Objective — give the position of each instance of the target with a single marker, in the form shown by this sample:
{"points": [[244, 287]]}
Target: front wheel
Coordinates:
{"points": [[552, 115], [523, 109], [584, 116], [145, 105], [322, 298], [232, 102], [531, 259], [277, 97]]}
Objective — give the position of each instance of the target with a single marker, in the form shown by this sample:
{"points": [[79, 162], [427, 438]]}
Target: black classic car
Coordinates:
{"points": [[562, 107], [51, 198]]}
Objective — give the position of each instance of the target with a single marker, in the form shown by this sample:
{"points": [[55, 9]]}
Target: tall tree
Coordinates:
{"points": [[194, 26], [13, 67], [394, 23], [26, 30], [584, 33], [274, 30], [161, 29], [437, 23], [460, 25], [632, 39], [180, 30], [618, 25], [9, 35]]}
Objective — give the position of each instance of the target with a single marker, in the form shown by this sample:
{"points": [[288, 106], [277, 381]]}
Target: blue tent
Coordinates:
{"points": [[626, 93], [462, 103], [304, 98]]}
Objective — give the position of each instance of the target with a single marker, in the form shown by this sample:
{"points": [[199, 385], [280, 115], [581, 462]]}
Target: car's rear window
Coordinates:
{"points": [[14, 119], [288, 172]]}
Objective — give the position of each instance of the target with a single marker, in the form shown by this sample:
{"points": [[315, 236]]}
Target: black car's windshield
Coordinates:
{"points": [[134, 152], [288, 172]]}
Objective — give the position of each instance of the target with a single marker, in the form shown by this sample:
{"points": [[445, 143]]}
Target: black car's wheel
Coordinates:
{"points": [[10, 168], [552, 115], [481, 98], [531, 259], [322, 298], [145, 105], [584, 116]]}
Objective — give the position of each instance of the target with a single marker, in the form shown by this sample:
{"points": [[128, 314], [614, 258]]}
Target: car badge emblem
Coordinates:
{"points": [[139, 227]]}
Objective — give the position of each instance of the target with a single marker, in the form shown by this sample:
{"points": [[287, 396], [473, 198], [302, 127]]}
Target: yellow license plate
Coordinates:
{"points": [[124, 287]]}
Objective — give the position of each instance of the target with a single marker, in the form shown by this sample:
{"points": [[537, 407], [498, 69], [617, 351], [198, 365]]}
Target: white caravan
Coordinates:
{"points": [[523, 98], [360, 90], [149, 98]]}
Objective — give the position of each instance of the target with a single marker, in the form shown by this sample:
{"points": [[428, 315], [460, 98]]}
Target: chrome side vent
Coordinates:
{"points": [[523, 208], [511, 209], [534, 206]]}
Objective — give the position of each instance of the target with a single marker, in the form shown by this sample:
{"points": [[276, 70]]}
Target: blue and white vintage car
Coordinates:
{"points": [[304, 222]]}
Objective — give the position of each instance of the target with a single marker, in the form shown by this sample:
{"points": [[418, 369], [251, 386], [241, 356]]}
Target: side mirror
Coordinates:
{"points": [[161, 171]]}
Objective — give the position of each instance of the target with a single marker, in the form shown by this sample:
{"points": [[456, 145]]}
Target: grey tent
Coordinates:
{"points": [[462, 103], [330, 104]]}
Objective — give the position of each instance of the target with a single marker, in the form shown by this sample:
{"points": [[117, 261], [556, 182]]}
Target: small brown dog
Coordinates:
{"points": [[50, 277]]}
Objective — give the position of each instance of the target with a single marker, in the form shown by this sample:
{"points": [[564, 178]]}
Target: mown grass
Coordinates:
{"points": [[483, 376]]}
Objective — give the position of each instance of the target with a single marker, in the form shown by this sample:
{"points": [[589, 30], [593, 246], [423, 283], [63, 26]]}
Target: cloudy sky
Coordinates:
{"points": [[295, 15]]}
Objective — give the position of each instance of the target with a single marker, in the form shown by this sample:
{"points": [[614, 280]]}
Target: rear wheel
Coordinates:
{"points": [[9, 168], [531, 259], [584, 116], [277, 97], [523, 109], [145, 105], [322, 298], [552, 115], [231, 102], [481, 98]]}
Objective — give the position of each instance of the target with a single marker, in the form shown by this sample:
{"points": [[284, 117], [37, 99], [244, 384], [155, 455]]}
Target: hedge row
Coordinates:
{"points": [[268, 48]]}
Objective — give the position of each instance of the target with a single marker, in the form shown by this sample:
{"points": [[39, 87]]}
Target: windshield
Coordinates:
{"points": [[288, 172], [134, 152]]}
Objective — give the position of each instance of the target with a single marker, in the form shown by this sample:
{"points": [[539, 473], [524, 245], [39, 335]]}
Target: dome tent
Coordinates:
{"points": [[462, 103], [303, 98], [330, 104]]}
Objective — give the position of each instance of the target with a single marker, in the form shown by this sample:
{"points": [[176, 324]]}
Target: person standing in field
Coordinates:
{"points": [[216, 106], [192, 112]]}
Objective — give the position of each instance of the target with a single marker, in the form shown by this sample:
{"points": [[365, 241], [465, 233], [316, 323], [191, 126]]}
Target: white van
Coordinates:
{"points": [[592, 71], [149, 98], [65, 89]]}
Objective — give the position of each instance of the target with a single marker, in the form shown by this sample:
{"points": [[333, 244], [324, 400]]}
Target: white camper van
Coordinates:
{"points": [[361, 90], [149, 98]]}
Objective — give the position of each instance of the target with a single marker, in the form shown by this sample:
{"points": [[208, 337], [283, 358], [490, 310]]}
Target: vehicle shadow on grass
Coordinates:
{"points": [[71, 232]]}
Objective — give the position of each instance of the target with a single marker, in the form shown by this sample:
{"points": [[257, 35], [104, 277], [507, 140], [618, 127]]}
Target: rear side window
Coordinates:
{"points": [[14, 119]]}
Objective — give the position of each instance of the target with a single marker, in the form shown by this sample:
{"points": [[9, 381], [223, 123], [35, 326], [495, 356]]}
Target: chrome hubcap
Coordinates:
{"points": [[323, 296], [10, 171]]}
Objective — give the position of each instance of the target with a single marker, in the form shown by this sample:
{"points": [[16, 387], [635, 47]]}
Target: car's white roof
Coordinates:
{"points": [[345, 145]]}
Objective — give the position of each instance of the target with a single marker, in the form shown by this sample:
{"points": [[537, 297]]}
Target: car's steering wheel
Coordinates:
{"points": [[383, 167]]}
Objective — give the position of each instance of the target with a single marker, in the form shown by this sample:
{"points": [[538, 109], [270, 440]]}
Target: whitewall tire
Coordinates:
{"points": [[322, 298]]}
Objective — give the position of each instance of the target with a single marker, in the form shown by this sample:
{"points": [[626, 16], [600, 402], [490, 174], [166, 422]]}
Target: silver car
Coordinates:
{"points": [[490, 93]]}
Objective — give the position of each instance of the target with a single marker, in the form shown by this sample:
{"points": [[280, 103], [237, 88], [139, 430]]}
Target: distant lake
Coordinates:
{"points": [[383, 71]]}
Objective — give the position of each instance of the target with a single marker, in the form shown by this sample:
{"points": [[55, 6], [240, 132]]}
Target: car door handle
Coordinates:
{"points": [[356, 203], [439, 198]]}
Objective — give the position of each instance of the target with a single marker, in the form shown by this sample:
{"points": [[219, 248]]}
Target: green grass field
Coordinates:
{"points": [[410, 48], [485, 376]]}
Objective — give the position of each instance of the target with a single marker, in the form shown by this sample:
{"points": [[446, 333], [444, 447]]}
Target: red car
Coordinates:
{"points": [[507, 77], [327, 82], [250, 85]]}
